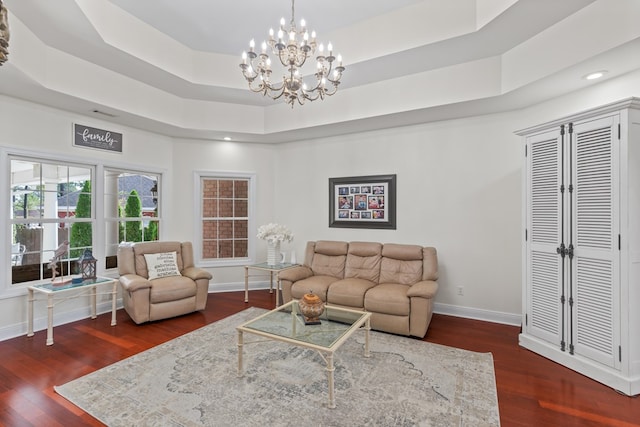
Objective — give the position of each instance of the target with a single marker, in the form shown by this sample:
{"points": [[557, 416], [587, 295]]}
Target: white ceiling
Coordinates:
{"points": [[198, 23], [172, 66]]}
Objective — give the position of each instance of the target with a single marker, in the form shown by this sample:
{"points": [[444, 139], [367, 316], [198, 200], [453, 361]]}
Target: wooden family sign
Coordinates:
{"points": [[89, 137]]}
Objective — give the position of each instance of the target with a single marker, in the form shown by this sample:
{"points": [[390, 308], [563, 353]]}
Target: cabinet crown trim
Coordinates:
{"points": [[632, 103]]}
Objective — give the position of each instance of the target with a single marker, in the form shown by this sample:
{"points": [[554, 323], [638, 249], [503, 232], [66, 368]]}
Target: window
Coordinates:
{"points": [[224, 217], [131, 209], [54, 200], [51, 204]]}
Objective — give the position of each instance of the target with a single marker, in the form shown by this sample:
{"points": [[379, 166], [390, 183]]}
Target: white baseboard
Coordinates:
{"points": [[75, 314], [514, 319], [59, 318], [40, 322], [237, 286], [478, 314]]}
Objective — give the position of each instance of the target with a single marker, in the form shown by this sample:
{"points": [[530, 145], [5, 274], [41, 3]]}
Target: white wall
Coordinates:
{"points": [[458, 185], [459, 189], [39, 130], [219, 156]]}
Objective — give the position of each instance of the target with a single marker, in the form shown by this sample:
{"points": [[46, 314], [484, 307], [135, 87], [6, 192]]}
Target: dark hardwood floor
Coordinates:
{"points": [[532, 391]]}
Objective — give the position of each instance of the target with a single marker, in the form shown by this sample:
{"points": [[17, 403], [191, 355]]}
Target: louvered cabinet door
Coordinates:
{"points": [[595, 277], [544, 225], [595, 230]]}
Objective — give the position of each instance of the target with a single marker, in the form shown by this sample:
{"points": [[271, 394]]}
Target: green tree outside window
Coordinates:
{"points": [[133, 209], [81, 234]]}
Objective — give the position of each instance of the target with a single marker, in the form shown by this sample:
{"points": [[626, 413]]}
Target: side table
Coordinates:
{"points": [[52, 291], [273, 268]]}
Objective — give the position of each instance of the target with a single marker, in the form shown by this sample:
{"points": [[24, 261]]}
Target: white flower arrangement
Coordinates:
{"points": [[274, 233]]}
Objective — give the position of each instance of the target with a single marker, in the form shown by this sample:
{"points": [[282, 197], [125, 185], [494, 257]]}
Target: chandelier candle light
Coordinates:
{"points": [[293, 47], [274, 234]]}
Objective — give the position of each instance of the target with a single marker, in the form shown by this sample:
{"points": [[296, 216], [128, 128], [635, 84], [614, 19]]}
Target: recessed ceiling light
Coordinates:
{"points": [[227, 138], [594, 75]]}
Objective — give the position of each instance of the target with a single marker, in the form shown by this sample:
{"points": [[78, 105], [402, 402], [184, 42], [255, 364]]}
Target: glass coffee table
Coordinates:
{"points": [[286, 324]]}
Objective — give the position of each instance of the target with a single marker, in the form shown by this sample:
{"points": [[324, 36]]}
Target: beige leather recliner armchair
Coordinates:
{"points": [[146, 300]]}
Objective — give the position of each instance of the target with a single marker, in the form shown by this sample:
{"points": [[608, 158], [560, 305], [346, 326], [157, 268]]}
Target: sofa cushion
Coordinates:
{"points": [[172, 288], [349, 292], [315, 284], [401, 264], [388, 298], [402, 252], [163, 264], [331, 247], [363, 261], [328, 258], [397, 271]]}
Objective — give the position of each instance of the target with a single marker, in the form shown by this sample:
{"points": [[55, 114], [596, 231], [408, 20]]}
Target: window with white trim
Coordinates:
{"points": [[52, 210], [224, 220], [131, 201], [53, 201]]}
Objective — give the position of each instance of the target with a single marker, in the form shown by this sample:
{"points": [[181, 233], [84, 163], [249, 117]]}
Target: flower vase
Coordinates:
{"points": [[273, 252]]}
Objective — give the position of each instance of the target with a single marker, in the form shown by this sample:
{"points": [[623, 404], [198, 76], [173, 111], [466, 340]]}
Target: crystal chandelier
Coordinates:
{"points": [[292, 46]]}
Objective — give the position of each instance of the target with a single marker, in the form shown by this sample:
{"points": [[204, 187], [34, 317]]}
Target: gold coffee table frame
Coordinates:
{"points": [[285, 324]]}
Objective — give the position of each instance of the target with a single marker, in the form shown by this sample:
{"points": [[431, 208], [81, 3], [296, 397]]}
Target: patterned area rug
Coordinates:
{"points": [[192, 381]]}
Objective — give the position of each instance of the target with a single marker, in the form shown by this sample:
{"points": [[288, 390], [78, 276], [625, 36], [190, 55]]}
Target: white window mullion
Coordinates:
{"points": [[199, 219]]}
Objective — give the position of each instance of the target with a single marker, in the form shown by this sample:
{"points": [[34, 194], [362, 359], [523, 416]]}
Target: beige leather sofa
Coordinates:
{"points": [[396, 283], [146, 300]]}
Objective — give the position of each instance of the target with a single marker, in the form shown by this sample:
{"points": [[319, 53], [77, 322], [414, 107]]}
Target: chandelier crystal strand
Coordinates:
{"points": [[293, 47]]}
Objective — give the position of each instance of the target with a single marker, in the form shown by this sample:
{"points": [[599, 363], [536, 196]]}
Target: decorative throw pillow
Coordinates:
{"points": [[162, 265]]}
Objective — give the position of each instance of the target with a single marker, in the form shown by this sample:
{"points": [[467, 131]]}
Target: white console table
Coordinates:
{"points": [[61, 292], [271, 268]]}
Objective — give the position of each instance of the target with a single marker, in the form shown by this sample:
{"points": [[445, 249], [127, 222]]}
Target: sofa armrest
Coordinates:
{"points": [[296, 273], [133, 282], [425, 289], [195, 273]]}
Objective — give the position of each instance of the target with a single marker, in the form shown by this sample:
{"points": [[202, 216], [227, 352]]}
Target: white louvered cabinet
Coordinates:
{"points": [[581, 249]]}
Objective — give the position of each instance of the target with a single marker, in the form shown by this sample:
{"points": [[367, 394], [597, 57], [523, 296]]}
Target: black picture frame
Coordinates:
{"points": [[363, 202]]}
